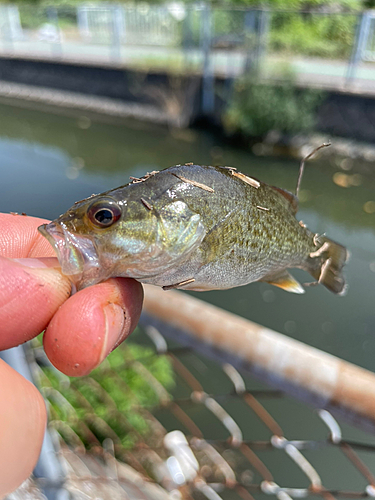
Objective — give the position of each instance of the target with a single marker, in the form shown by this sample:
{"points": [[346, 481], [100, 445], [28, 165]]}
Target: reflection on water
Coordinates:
{"points": [[50, 161]]}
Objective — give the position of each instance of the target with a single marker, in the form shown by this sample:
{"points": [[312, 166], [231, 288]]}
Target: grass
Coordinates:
{"points": [[113, 401]]}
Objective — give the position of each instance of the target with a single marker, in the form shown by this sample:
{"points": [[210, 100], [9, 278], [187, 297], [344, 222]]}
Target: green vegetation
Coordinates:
{"points": [[34, 16], [320, 35], [317, 28], [308, 29], [280, 4], [112, 401], [257, 108]]}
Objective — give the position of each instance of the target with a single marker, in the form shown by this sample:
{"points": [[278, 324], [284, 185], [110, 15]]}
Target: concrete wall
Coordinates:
{"points": [[348, 115], [102, 81], [122, 85], [341, 114]]}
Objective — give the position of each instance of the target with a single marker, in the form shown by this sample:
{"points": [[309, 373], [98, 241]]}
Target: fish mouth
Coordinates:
{"points": [[77, 255]]}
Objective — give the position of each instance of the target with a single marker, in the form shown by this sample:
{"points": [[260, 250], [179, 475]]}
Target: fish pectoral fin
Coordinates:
{"points": [[285, 281]]}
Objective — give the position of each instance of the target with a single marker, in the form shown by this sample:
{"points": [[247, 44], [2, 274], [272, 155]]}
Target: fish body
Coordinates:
{"points": [[193, 227]]}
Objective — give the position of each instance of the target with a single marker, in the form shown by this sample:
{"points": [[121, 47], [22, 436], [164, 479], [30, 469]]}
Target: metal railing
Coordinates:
{"points": [[319, 49], [237, 39]]}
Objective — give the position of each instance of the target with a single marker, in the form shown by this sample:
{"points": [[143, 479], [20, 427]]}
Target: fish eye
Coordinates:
{"points": [[104, 213]]}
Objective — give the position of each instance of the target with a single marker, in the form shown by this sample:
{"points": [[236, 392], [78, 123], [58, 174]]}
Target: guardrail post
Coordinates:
{"points": [[7, 35], [117, 16], [263, 30], [256, 27], [208, 81], [361, 37], [53, 18], [187, 41]]}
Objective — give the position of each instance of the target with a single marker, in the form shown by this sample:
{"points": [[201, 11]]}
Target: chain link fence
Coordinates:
{"points": [[164, 418]]}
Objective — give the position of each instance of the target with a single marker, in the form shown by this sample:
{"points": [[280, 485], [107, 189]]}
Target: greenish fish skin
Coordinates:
{"points": [[195, 227]]}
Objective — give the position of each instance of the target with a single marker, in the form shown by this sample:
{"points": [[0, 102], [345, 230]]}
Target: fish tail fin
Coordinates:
{"points": [[326, 264]]}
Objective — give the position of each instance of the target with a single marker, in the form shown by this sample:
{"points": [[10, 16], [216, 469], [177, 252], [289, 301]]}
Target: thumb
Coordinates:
{"points": [[22, 425]]}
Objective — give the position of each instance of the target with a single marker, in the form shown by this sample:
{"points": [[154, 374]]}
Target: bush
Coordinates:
{"points": [[258, 108], [321, 35]]}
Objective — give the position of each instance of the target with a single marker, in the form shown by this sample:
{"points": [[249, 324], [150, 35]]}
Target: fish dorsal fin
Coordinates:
{"points": [[285, 281], [290, 198]]}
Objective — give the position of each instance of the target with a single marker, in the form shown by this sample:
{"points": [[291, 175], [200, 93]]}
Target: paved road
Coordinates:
{"points": [[320, 73]]}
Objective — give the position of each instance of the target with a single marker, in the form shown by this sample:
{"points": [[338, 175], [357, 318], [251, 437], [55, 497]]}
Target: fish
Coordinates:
{"points": [[193, 227]]}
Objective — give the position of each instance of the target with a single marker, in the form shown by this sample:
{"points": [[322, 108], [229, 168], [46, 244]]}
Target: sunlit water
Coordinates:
{"points": [[48, 162]]}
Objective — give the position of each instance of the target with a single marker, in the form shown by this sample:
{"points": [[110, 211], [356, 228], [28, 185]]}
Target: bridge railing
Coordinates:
{"points": [[238, 39], [317, 49]]}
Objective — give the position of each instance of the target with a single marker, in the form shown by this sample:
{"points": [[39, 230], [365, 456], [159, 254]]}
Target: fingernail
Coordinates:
{"points": [[114, 325], [38, 263], [46, 270]]}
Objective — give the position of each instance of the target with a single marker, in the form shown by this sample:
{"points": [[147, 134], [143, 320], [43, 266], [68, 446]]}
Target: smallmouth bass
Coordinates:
{"points": [[193, 227]]}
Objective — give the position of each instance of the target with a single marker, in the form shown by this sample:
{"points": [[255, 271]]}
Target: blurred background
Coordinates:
{"points": [[92, 93]]}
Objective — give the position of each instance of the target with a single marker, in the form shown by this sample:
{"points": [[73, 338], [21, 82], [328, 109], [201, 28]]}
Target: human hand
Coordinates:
{"points": [[80, 331]]}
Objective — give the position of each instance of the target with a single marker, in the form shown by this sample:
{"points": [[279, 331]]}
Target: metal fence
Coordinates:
{"points": [[318, 47], [215, 433]]}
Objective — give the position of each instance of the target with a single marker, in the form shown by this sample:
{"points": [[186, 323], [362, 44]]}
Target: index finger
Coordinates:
{"points": [[19, 237]]}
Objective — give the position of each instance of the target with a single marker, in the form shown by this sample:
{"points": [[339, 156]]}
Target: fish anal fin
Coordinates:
{"points": [[285, 281], [290, 197]]}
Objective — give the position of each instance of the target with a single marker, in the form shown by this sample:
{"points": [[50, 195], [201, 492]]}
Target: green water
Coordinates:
{"points": [[48, 161]]}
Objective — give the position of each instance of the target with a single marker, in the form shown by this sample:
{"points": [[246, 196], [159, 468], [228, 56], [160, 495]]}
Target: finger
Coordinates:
{"points": [[19, 237], [22, 425], [29, 297], [91, 323]]}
